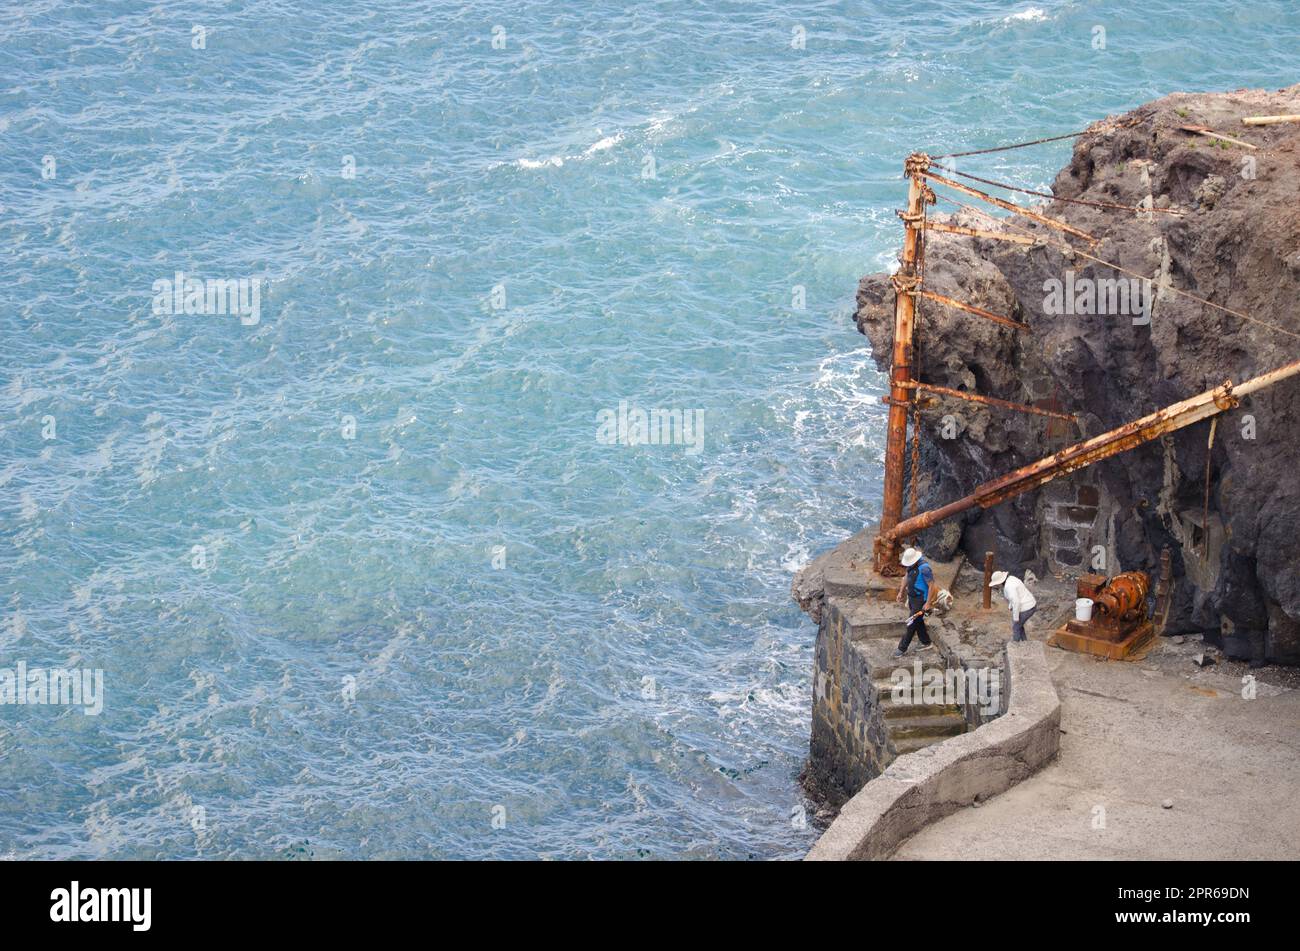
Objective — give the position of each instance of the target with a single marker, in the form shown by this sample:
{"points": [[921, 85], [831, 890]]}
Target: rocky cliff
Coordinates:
{"points": [[1092, 353]]}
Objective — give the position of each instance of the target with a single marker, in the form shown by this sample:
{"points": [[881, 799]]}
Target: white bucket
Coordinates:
{"points": [[1083, 609]]}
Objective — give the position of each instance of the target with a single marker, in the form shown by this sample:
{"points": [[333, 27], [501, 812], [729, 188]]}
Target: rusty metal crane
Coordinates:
{"points": [[1202, 406], [903, 387]]}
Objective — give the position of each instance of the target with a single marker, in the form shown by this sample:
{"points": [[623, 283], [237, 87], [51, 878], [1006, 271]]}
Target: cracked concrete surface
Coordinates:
{"points": [[1134, 736]]}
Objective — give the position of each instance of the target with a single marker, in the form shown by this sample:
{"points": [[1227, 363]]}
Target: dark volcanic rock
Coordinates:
{"points": [[1237, 244]]}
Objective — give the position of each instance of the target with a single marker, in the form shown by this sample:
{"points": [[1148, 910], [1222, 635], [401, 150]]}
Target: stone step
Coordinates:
{"points": [[930, 660], [865, 619], [934, 727], [845, 583], [927, 663], [883, 679], [904, 711], [916, 743], [885, 689]]}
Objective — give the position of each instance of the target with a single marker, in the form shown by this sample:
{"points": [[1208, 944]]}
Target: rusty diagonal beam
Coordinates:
{"points": [[972, 309], [1010, 206], [977, 233], [986, 400], [1176, 416]]}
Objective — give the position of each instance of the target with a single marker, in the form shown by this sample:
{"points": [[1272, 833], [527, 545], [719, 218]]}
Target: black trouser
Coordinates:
{"points": [[1018, 627], [917, 627]]}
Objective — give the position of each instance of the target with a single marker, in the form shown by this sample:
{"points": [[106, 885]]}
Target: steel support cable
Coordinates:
{"points": [[1069, 201], [1010, 206], [915, 384], [1061, 246], [1102, 127], [1018, 145]]}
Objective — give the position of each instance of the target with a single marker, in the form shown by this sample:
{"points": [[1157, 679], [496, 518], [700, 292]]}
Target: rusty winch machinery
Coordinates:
{"points": [[1119, 621], [1121, 599]]}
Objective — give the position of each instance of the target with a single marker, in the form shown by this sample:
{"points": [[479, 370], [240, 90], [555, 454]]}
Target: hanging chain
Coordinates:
{"points": [[1205, 511], [916, 450]]}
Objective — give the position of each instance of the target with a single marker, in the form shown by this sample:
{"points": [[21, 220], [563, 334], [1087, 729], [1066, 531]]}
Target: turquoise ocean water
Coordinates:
{"points": [[472, 629]]}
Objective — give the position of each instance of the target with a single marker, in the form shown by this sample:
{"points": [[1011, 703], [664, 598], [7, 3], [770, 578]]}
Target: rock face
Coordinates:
{"points": [[1109, 348]]}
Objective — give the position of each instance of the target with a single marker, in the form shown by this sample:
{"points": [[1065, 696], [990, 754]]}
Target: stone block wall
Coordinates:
{"points": [[975, 713], [1075, 516], [849, 740]]}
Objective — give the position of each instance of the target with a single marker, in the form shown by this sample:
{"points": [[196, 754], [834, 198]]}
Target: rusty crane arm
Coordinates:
{"points": [[1184, 413]]}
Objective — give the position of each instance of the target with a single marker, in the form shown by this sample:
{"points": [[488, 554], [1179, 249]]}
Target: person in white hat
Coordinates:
{"points": [[1018, 597], [919, 589]]}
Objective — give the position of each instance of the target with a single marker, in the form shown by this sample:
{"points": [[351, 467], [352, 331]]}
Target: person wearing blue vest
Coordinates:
{"points": [[919, 589]]}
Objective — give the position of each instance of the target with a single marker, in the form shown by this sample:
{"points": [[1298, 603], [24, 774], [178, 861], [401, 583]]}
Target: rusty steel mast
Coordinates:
{"points": [[901, 388]]}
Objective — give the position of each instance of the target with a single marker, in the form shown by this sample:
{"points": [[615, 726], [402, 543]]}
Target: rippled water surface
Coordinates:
{"points": [[472, 630]]}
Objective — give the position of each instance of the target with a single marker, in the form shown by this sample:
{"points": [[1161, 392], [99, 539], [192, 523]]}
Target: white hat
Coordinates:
{"points": [[910, 557], [997, 579]]}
